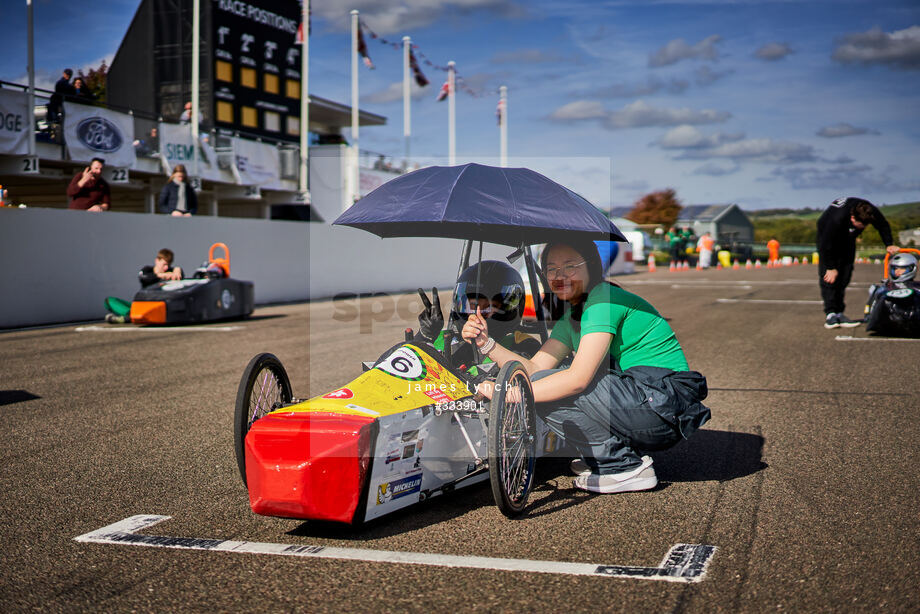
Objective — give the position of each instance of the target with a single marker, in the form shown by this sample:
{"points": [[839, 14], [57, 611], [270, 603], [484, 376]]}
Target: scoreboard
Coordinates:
{"points": [[256, 72]]}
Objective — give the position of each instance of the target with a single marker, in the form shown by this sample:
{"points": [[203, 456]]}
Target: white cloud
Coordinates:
{"points": [[400, 16], [633, 90], [759, 150], [714, 170], [854, 176], [686, 137], [844, 129], [394, 92], [640, 114], [704, 75], [678, 49], [578, 110], [773, 51], [526, 56], [900, 49]]}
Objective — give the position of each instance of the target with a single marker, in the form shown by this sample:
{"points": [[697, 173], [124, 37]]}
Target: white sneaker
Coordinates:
{"points": [[846, 322], [641, 478], [579, 467]]}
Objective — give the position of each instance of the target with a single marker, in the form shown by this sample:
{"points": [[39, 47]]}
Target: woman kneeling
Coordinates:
{"points": [[628, 389]]}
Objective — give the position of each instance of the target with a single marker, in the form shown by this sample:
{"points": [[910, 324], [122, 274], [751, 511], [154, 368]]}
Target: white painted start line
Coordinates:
{"points": [[767, 300], [159, 329], [682, 563], [849, 338], [710, 286]]}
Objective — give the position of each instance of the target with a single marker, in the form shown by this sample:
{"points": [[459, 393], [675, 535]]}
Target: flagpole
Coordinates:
{"points": [[451, 116], [305, 100], [407, 104], [196, 81], [30, 127], [354, 105], [503, 128]]}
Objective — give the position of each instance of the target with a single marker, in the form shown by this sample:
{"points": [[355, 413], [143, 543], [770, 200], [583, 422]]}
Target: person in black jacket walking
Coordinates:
{"points": [[838, 227], [178, 198]]}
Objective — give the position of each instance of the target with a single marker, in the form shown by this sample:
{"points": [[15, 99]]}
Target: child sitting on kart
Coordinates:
{"points": [[628, 389], [899, 316], [498, 291], [162, 270]]}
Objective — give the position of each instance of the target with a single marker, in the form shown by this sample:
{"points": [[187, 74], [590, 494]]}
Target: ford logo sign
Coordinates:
{"points": [[99, 134]]}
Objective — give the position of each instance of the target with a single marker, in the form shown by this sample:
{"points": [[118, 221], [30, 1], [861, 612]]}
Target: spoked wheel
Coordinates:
{"points": [[264, 387], [512, 439]]}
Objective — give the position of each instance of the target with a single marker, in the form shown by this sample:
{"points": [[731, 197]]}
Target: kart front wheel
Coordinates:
{"points": [[512, 439], [264, 387]]}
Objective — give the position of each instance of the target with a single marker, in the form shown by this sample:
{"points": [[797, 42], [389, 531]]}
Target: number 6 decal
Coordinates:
{"points": [[404, 363]]}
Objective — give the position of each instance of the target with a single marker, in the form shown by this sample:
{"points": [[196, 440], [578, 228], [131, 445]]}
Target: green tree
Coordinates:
{"points": [[661, 207], [95, 80]]}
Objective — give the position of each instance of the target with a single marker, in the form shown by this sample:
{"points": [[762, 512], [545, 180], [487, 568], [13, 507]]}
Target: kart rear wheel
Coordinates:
{"points": [[512, 439], [264, 387]]}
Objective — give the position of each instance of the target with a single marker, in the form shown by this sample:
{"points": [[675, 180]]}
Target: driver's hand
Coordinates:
{"points": [[485, 389], [430, 321], [893, 249], [475, 329]]}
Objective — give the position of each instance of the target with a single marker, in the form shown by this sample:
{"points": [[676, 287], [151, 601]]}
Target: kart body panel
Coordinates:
{"points": [[386, 440], [894, 310], [192, 300]]}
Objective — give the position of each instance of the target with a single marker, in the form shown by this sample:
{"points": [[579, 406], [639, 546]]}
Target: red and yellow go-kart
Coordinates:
{"points": [[405, 430]]}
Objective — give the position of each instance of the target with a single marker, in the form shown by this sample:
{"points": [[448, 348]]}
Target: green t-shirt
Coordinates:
{"points": [[640, 335]]}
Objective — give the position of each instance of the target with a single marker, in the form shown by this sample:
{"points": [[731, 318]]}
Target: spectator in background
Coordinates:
{"points": [[81, 92], [88, 190], [178, 198], [773, 250], [186, 113], [148, 146], [63, 88], [704, 247]]}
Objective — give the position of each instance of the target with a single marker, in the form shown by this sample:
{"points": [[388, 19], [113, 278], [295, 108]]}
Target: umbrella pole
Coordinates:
{"points": [[535, 291]]}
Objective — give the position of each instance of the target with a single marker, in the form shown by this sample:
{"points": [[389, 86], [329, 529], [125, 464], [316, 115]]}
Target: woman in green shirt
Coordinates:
{"points": [[628, 389]]}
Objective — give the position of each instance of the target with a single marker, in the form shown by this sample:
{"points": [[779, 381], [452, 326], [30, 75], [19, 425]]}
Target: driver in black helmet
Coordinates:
{"points": [[498, 291]]}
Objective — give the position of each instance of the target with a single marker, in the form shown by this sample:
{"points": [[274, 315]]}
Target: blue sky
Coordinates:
{"points": [[761, 103]]}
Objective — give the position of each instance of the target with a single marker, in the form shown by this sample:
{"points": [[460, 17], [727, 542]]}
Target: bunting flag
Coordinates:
{"points": [[413, 64], [298, 39], [498, 111], [445, 90], [362, 48]]}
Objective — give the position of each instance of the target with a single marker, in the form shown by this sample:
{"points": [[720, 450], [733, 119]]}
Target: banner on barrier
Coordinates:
{"points": [[14, 122], [259, 164], [176, 145], [94, 132]]}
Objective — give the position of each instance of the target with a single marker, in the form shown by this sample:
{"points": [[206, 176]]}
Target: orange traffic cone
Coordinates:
{"points": [[672, 267], [748, 265], [804, 260], [757, 264], [684, 266], [736, 266], [699, 267], [718, 265], [651, 263]]}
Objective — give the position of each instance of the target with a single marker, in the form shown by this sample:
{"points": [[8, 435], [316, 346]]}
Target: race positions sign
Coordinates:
{"points": [[257, 67]]}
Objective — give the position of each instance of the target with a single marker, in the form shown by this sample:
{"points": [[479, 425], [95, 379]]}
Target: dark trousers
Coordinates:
{"points": [[615, 419], [833, 294]]}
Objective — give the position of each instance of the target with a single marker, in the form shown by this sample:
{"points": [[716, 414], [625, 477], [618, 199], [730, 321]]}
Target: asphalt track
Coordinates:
{"points": [[805, 480]]}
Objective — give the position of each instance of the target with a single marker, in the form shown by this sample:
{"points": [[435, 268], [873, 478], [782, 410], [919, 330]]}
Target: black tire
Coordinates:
{"points": [[265, 378], [512, 440]]}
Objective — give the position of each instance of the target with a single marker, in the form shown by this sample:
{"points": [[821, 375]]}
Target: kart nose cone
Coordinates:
{"points": [[310, 466]]}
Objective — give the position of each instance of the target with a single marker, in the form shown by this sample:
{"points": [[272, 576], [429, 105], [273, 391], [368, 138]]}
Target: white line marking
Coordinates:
{"points": [[679, 286], [766, 300], [705, 281], [849, 338], [83, 329], [682, 563]]}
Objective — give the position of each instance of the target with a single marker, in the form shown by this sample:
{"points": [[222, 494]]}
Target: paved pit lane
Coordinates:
{"points": [[805, 479]]}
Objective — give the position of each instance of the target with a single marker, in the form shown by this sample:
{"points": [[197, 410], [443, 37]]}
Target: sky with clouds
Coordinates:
{"points": [[765, 103]]}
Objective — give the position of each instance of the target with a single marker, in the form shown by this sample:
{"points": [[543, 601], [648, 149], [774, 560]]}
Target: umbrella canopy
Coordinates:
{"points": [[508, 206]]}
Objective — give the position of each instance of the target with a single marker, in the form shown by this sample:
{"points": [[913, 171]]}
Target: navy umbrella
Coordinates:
{"points": [[508, 206]]}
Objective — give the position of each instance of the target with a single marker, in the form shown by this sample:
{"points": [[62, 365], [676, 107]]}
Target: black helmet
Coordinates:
{"points": [[501, 285]]}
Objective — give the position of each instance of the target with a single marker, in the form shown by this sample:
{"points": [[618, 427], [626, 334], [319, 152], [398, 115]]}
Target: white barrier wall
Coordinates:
{"points": [[58, 265]]}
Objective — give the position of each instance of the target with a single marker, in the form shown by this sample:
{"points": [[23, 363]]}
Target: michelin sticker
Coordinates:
{"points": [[388, 491]]}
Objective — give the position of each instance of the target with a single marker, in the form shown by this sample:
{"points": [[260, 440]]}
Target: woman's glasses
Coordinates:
{"points": [[567, 270]]}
